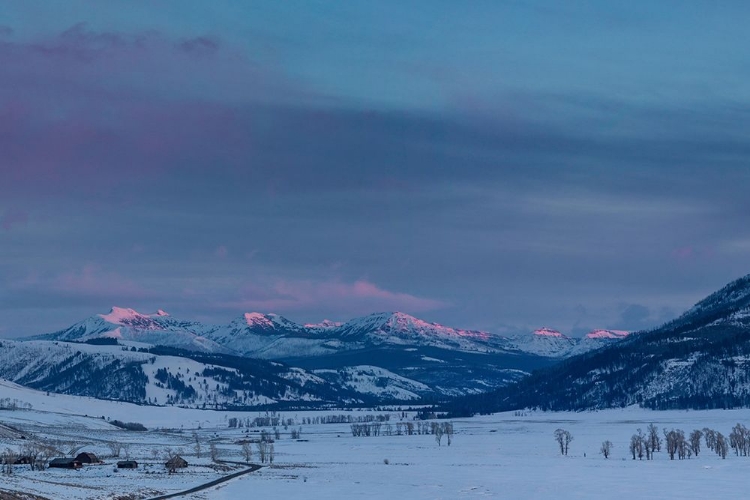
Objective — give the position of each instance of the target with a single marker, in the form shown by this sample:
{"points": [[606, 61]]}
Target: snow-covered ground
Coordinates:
{"points": [[498, 456]]}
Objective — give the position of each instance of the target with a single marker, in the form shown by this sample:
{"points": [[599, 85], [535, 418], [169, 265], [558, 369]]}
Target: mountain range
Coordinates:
{"points": [[265, 359], [699, 360], [270, 336]]}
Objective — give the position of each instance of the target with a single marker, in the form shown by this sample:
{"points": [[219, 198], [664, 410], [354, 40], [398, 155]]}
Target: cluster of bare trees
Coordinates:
{"points": [[14, 404], [563, 439], [35, 454], [265, 449], [372, 429], [272, 419], [716, 442], [438, 429], [442, 429], [678, 444], [647, 443]]}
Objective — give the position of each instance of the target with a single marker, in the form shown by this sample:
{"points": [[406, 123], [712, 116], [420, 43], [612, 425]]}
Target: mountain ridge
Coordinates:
{"points": [[699, 360], [272, 336]]}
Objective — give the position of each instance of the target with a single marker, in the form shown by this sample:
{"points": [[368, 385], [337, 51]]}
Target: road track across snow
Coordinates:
{"points": [[211, 484]]}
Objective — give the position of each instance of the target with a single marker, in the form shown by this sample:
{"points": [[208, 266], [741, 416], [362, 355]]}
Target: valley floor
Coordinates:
{"points": [[497, 456]]}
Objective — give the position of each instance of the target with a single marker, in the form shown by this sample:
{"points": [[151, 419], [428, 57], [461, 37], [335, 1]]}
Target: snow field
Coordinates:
{"points": [[497, 456]]}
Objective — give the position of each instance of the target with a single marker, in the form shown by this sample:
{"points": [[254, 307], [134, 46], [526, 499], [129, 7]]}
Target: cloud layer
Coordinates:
{"points": [[480, 177]]}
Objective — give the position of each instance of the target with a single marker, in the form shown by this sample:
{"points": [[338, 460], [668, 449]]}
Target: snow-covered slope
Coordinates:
{"points": [[272, 337], [197, 380], [545, 342], [127, 324], [378, 382], [699, 360], [401, 329]]}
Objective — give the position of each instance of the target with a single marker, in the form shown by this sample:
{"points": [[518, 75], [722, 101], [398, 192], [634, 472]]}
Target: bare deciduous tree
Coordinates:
{"points": [[563, 439], [262, 450], [653, 437], [739, 440], [695, 441], [710, 436], [606, 448], [247, 451], [721, 446], [448, 431], [214, 451], [197, 446], [114, 448], [9, 457], [636, 446]]}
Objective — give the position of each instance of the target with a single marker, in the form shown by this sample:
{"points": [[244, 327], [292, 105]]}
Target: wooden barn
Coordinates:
{"points": [[65, 463], [88, 458], [127, 464], [176, 462]]}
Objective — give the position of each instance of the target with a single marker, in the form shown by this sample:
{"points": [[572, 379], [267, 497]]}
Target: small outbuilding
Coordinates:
{"points": [[88, 458], [127, 464], [65, 463], [176, 462]]}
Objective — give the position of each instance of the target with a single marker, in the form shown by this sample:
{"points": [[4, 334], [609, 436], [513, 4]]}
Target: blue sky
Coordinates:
{"points": [[494, 165]]}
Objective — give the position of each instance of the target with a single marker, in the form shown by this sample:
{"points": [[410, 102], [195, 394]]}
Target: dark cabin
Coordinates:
{"points": [[88, 458], [127, 464], [65, 463], [176, 462]]}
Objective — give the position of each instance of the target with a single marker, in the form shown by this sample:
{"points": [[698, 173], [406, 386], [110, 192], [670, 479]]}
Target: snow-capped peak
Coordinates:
{"points": [[117, 315], [607, 334], [548, 332], [256, 318], [266, 322]]}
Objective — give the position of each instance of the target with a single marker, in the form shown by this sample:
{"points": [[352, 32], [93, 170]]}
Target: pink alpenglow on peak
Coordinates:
{"points": [[607, 334], [256, 318], [548, 332], [403, 321], [119, 314]]}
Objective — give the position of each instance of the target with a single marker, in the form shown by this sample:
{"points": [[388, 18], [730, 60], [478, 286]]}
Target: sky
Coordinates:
{"points": [[498, 165]]}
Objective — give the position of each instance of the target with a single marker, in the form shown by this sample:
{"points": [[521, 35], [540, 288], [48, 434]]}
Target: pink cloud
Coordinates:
{"points": [[89, 281], [13, 217], [683, 253], [88, 109], [689, 253], [347, 299], [221, 252]]}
